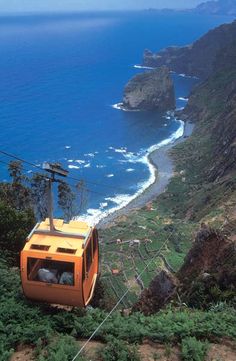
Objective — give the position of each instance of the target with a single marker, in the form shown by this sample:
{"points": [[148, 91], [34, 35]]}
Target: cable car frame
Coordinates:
{"points": [[70, 249], [60, 261]]}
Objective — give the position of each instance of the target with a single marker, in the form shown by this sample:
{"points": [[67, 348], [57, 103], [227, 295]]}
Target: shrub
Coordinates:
{"points": [[62, 348], [4, 354], [14, 227], [116, 350], [193, 350]]}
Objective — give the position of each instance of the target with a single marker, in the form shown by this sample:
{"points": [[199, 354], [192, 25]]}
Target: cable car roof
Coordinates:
{"points": [[67, 239]]}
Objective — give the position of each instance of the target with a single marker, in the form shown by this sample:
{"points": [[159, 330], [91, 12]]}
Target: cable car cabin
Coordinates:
{"points": [[60, 266]]}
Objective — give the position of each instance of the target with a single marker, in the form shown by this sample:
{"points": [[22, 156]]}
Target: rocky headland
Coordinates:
{"points": [[153, 90], [197, 59]]}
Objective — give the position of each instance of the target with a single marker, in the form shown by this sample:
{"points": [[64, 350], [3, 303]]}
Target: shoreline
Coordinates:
{"points": [[164, 170]]}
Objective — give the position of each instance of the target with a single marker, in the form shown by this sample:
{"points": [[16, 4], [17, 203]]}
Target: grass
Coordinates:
{"points": [[39, 325]]}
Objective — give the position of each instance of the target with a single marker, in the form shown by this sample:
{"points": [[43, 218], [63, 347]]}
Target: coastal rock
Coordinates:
{"points": [[197, 59], [208, 274], [162, 289], [210, 265], [153, 90]]}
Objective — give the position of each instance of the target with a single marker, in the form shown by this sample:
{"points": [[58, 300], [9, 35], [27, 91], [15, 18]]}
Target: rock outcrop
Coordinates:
{"points": [[208, 275], [197, 59], [153, 90], [161, 290]]}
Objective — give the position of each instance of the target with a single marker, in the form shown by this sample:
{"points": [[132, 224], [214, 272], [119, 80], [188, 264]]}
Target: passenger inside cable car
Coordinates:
{"points": [[47, 271]]}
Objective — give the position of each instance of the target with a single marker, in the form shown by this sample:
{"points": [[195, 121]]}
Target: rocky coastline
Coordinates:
{"points": [[164, 170], [197, 59], [152, 90]]}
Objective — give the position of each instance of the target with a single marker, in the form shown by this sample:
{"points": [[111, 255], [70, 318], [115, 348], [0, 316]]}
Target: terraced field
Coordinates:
{"points": [[143, 243]]}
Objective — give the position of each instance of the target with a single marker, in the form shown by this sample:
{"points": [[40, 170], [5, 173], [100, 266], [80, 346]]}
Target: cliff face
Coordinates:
{"points": [[207, 158], [197, 59], [212, 106], [208, 275], [150, 91]]}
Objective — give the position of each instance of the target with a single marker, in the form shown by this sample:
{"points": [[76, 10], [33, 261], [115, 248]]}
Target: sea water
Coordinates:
{"points": [[61, 78]]}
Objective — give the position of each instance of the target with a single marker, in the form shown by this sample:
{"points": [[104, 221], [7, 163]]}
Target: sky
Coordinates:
{"points": [[70, 5]]}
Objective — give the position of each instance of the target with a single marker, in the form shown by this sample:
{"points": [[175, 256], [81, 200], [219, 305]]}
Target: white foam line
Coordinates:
{"points": [[120, 106], [143, 67], [188, 76], [94, 216]]}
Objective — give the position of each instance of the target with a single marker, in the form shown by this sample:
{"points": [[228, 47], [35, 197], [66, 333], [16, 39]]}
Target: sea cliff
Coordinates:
{"points": [[197, 59], [152, 90]]}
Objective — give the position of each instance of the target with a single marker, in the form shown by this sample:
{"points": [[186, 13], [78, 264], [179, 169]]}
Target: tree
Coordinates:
{"points": [[66, 200], [20, 195], [14, 227], [39, 184]]}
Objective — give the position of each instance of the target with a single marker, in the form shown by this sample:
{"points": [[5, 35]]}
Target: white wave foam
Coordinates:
{"points": [[70, 161], [103, 205], [73, 167], [92, 155], [93, 216], [110, 175], [183, 99], [80, 161], [188, 76], [120, 106], [143, 67], [100, 166], [88, 165], [120, 150], [67, 146], [130, 170]]}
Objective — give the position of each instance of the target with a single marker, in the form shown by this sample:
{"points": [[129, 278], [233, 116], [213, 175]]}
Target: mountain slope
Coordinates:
{"points": [[197, 59]]}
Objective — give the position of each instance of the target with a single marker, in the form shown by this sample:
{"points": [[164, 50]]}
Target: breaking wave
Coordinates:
{"points": [[118, 201]]}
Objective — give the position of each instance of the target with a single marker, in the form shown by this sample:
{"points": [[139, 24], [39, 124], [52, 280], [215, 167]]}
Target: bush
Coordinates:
{"points": [[193, 350], [14, 227], [116, 350], [4, 355], [62, 348]]}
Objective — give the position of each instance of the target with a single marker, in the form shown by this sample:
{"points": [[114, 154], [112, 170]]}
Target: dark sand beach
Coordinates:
{"points": [[164, 165]]}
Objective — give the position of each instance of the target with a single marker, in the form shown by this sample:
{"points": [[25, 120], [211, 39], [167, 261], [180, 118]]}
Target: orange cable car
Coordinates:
{"points": [[60, 265]]}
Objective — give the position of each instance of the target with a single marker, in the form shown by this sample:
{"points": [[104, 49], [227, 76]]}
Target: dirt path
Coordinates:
{"points": [[149, 351]]}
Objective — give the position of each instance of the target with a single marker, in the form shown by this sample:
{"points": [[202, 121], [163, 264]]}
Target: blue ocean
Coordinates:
{"points": [[60, 77]]}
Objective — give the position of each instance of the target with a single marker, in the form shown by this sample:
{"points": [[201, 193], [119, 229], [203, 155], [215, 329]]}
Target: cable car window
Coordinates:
{"points": [[94, 242], [66, 250], [88, 256], [39, 247], [50, 271]]}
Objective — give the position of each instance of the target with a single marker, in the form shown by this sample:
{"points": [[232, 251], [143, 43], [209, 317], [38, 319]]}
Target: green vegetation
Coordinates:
{"points": [[117, 350], [152, 228], [60, 348], [44, 327], [14, 226], [193, 350], [199, 191]]}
